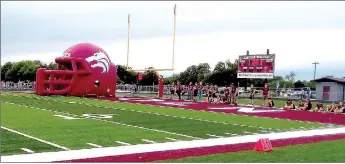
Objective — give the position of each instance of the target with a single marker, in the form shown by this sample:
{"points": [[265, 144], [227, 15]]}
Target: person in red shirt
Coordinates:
{"points": [[233, 94], [195, 91], [265, 94], [179, 89], [226, 99]]}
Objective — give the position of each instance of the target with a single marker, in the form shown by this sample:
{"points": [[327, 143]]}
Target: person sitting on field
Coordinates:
{"points": [[301, 105], [270, 102], [339, 108], [308, 105], [289, 105], [319, 107], [331, 107]]}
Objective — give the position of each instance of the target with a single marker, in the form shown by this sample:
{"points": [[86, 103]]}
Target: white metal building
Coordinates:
{"points": [[330, 89]]}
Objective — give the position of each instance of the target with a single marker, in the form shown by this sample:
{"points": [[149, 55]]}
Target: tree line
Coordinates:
{"points": [[224, 73], [23, 70]]}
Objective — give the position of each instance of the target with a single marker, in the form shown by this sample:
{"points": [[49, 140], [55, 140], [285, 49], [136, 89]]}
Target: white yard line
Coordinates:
{"points": [[233, 134], [172, 139], [212, 135], [148, 141], [94, 145], [123, 143], [144, 148], [27, 150], [35, 138]]}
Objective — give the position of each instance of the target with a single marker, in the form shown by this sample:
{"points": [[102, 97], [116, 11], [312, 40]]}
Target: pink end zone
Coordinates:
{"points": [[193, 152], [292, 115]]}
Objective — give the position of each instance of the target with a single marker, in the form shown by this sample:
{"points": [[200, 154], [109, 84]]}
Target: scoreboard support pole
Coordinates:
{"points": [[267, 53]]}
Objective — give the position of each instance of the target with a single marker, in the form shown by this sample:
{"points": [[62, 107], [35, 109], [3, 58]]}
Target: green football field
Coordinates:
{"points": [[71, 123]]}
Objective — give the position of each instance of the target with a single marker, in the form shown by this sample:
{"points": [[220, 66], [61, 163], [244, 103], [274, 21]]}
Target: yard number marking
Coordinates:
{"points": [[66, 117], [253, 110], [99, 116]]}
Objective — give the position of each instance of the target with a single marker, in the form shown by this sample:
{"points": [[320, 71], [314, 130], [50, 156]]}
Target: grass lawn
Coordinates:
{"points": [[131, 117], [11, 143], [62, 120], [330, 151], [73, 133]]}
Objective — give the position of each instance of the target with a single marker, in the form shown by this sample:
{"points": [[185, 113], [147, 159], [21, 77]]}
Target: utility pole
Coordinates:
{"points": [[315, 63]]}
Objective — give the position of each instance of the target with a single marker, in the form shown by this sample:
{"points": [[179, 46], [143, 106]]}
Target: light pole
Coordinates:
{"points": [[315, 63]]}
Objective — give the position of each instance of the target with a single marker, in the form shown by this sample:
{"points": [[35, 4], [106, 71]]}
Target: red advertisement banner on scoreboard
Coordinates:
{"points": [[256, 66]]}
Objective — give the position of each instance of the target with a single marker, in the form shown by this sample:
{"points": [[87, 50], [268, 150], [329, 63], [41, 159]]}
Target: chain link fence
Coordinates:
{"points": [[20, 86], [280, 93]]}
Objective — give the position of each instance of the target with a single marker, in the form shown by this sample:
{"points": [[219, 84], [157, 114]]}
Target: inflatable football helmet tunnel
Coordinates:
{"points": [[83, 70]]}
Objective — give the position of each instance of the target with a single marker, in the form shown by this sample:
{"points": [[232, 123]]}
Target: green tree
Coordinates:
{"points": [[189, 75], [310, 84], [286, 84], [124, 76], [149, 77], [299, 84], [7, 66], [220, 67], [170, 80], [23, 70]]}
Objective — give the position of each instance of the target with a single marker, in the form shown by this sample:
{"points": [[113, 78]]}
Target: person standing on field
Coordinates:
{"points": [[179, 90], [233, 94], [251, 95], [265, 94], [201, 91]]}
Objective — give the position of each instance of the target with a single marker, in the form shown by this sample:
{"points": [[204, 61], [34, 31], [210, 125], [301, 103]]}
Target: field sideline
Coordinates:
{"points": [[33, 124]]}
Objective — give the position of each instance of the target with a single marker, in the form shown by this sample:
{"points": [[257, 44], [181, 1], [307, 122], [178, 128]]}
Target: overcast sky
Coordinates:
{"points": [[298, 32]]}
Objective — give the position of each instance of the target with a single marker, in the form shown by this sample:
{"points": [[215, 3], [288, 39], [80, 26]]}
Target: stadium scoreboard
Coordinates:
{"points": [[256, 66]]}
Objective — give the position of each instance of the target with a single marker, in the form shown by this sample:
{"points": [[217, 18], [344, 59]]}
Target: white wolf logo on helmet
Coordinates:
{"points": [[101, 59]]}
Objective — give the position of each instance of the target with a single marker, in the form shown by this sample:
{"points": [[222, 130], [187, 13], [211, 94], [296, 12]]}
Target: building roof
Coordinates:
{"points": [[330, 79]]}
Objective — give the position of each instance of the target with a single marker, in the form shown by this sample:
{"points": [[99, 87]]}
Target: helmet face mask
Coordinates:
{"points": [[83, 70]]}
